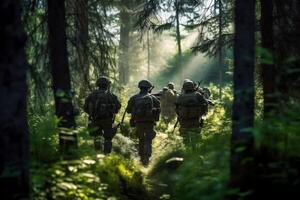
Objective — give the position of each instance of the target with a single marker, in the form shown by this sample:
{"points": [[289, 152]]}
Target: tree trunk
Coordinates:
{"points": [[178, 39], [125, 28], [82, 36], [14, 173], [268, 70], [220, 49], [242, 173], [59, 63], [148, 55]]}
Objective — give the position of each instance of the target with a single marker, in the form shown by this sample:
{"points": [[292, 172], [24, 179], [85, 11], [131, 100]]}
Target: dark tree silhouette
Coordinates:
{"points": [[287, 48], [59, 62], [14, 181], [125, 29], [243, 105], [82, 36], [268, 67]]}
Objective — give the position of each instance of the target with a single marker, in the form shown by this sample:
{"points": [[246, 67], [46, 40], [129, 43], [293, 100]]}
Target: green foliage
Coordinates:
{"points": [[122, 176], [43, 136], [96, 177], [280, 131], [266, 57], [68, 180]]}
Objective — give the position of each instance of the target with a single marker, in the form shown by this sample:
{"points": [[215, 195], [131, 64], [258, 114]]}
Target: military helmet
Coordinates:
{"points": [[188, 85], [186, 80], [171, 85], [103, 81], [165, 88], [144, 84]]}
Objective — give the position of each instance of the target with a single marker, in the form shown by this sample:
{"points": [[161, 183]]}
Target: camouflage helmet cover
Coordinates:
{"points": [[144, 84], [165, 88], [188, 85], [103, 81]]}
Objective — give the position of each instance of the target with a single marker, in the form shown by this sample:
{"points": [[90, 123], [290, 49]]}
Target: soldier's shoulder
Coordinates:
{"points": [[92, 94], [113, 95], [133, 97], [153, 96]]}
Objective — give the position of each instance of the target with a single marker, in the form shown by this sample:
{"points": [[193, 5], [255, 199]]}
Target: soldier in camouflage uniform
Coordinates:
{"points": [[167, 102], [172, 87], [144, 109], [190, 107], [102, 106]]}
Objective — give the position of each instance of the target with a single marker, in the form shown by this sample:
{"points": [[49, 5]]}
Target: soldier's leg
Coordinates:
{"points": [[140, 134], [97, 140], [150, 135], [195, 137], [108, 136], [185, 134]]}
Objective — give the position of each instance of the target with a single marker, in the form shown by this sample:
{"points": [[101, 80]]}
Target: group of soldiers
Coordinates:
{"points": [[145, 109]]}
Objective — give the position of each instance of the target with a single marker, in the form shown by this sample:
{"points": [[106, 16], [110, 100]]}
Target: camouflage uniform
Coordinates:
{"points": [[190, 107], [171, 87], [101, 124], [167, 101], [144, 123]]}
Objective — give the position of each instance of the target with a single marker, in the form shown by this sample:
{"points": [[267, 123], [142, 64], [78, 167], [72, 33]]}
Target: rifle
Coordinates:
{"points": [[198, 86], [123, 117], [150, 90], [175, 125]]}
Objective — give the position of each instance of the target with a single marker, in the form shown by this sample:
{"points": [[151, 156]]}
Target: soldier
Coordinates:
{"points": [[171, 87], [184, 81], [145, 110], [190, 107], [167, 101], [102, 106]]}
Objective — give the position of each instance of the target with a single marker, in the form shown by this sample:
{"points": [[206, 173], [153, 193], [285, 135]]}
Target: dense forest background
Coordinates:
{"points": [[246, 52]]}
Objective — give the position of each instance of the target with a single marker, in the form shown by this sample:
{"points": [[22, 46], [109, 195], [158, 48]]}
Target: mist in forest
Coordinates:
{"points": [[163, 50]]}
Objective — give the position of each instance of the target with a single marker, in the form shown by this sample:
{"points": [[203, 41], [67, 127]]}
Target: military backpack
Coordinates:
{"points": [[143, 108], [101, 105], [189, 107]]}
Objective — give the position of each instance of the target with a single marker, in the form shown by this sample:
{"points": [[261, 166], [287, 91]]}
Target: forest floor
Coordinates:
{"points": [[174, 172]]}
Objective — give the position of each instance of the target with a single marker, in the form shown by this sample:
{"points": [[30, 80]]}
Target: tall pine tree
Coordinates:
{"points": [[14, 149]]}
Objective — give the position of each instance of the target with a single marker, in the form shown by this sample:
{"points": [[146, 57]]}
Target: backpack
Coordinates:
{"points": [[101, 105], [143, 108], [189, 107]]}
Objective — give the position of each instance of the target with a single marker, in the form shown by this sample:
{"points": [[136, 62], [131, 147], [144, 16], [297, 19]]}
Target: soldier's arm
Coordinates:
{"points": [[156, 104], [201, 99], [203, 102], [117, 103], [130, 105]]}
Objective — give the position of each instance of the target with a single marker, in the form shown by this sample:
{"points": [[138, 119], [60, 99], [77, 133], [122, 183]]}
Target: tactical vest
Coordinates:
{"points": [[189, 107], [101, 105]]}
